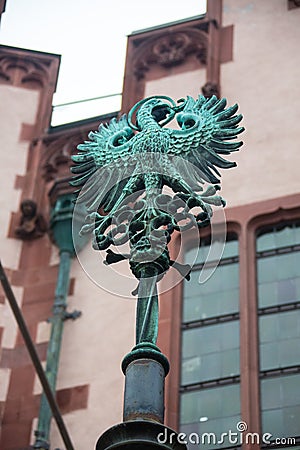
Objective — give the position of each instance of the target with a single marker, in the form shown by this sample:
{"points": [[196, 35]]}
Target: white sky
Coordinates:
{"points": [[90, 35]]}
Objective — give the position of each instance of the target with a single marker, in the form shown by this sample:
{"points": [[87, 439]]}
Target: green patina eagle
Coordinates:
{"points": [[123, 158], [124, 166]]}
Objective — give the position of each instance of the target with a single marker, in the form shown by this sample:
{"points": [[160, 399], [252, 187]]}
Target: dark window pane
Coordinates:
{"points": [[286, 291], [215, 410], [281, 236], [278, 275], [282, 422], [278, 279], [267, 294], [231, 249], [280, 402], [217, 296], [217, 250], [214, 403], [210, 352], [265, 242], [278, 267], [279, 292], [279, 339], [272, 420], [208, 435]]}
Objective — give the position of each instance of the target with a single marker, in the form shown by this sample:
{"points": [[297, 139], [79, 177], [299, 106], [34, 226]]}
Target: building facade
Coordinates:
{"points": [[233, 341]]}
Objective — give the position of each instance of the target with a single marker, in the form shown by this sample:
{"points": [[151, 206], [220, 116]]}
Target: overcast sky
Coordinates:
{"points": [[90, 35]]}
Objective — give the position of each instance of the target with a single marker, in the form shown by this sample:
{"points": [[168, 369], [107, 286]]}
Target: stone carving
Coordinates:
{"points": [[56, 158], [210, 89], [18, 70], [32, 225], [169, 50]]}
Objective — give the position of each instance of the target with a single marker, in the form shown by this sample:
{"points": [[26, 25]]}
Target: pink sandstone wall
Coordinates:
{"points": [[18, 107], [264, 79]]}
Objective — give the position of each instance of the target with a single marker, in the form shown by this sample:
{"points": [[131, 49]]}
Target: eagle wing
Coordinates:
{"points": [[206, 126], [108, 149]]}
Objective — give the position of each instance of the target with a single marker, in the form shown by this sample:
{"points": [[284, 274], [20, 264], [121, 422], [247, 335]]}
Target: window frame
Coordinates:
{"points": [[244, 221], [280, 372]]}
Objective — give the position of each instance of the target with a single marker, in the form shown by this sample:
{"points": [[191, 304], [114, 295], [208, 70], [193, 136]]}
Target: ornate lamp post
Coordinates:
{"points": [[123, 171]]}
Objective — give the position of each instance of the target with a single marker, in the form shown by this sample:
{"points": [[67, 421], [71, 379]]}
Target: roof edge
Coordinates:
{"points": [[168, 24]]}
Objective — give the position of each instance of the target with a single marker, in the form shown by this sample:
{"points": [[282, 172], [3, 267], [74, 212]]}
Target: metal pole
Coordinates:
{"points": [[54, 347], [35, 359]]}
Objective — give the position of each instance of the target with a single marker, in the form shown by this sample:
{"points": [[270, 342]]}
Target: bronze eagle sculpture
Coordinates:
{"points": [[127, 168]]}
